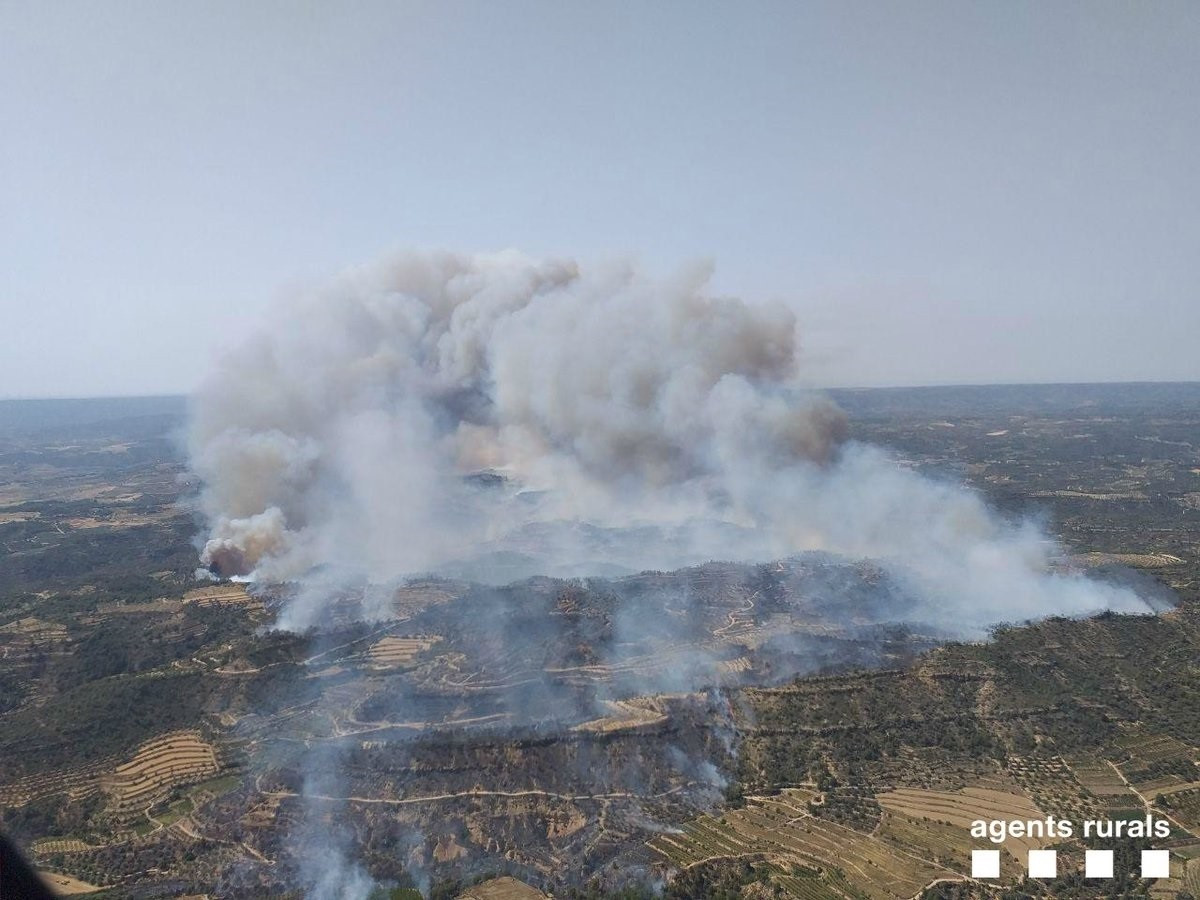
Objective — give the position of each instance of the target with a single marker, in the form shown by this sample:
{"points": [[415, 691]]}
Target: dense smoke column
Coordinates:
{"points": [[340, 434], [336, 441]]}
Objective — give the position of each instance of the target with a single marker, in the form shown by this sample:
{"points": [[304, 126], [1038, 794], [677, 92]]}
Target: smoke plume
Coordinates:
{"points": [[436, 408]]}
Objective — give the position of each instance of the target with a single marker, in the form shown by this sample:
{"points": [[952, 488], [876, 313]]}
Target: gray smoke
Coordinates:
{"points": [[323, 860], [338, 440]]}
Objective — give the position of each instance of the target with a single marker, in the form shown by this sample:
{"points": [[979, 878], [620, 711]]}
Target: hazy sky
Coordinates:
{"points": [[958, 192]]}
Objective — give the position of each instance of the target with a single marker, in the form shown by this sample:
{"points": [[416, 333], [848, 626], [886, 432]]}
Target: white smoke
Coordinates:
{"points": [[340, 436]]}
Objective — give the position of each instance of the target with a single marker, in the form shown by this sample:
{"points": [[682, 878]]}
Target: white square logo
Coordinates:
{"points": [[1098, 864], [985, 863], [1156, 863], [1043, 863]]}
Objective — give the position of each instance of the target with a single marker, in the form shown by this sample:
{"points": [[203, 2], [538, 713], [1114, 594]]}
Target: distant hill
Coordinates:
{"points": [[25, 417], [1164, 398]]}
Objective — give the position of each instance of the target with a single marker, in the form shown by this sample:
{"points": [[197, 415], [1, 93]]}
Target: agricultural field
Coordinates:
{"points": [[75, 784], [1052, 784], [34, 632], [1190, 880], [946, 845], [168, 761], [1182, 805], [783, 830], [222, 595], [1153, 764], [394, 651], [65, 885], [635, 712], [960, 808], [1099, 777], [502, 889], [68, 845]]}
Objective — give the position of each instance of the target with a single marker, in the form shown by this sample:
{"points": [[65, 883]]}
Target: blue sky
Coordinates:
{"points": [[946, 192]]}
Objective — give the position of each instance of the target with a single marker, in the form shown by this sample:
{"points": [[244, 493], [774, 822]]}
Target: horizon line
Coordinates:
{"points": [[68, 398]]}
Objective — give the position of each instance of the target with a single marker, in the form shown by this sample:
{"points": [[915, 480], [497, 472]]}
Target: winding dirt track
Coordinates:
{"points": [[432, 798], [749, 601]]}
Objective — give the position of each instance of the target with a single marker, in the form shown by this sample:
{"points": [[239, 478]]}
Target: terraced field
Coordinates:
{"points": [[959, 809], [1183, 806], [66, 845], [733, 666], [1151, 748], [1052, 785], [502, 889], [75, 783], [1098, 777], [160, 764], [637, 712], [391, 652], [782, 830], [35, 630], [1137, 560], [827, 885], [221, 595], [947, 845], [1191, 877], [1157, 763]]}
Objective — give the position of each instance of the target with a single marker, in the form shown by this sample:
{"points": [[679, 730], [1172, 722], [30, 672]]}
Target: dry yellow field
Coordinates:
{"points": [[780, 828], [60, 845], [960, 808], [7, 518], [1168, 784], [120, 519], [1093, 495], [1137, 560], [63, 885], [394, 651], [158, 765], [947, 845], [732, 666], [221, 595], [635, 712], [161, 605], [35, 629], [412, 598], [502, 889]]}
